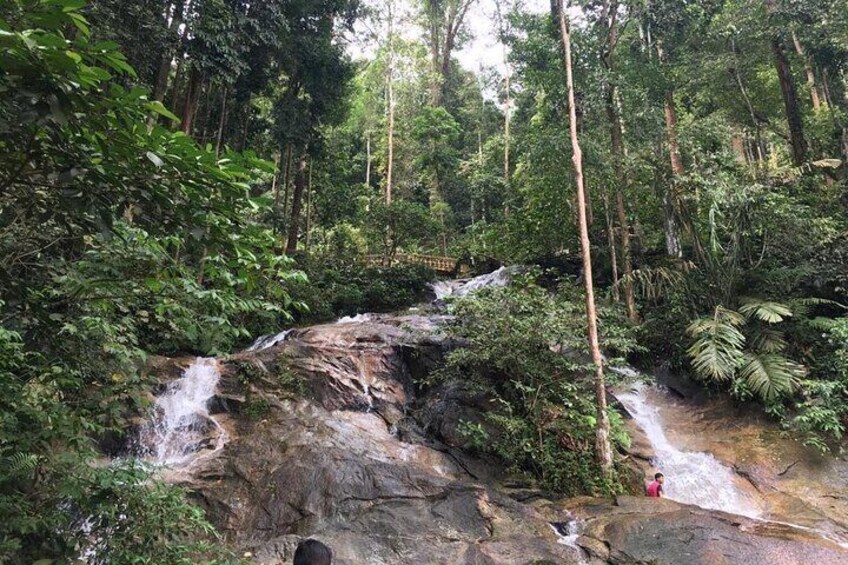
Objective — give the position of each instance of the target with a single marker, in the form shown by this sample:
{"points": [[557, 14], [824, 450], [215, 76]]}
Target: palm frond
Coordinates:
{"points": [[766, 311], [768, 340], [717, 350], [802, 307], [770, 375], [652, 283]]}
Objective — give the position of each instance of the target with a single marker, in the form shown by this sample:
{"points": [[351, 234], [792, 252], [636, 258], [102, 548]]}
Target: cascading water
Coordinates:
{"points": [[568, 532], [443, 289], [354, 319], [267, 341], [182, 425], [691, 477]]}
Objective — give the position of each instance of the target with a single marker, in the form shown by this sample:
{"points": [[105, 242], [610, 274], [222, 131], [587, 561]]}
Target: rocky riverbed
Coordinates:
{"points": [[328, 435]]}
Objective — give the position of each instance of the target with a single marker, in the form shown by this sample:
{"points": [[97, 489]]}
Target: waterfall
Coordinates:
{"points": [[355, 319], [271, 340], [690, 477], [182, 425], [568, 532], [443, 289]]}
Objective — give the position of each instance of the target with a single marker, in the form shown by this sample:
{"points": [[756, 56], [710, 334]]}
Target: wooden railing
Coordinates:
{"points": [[442, 265]]}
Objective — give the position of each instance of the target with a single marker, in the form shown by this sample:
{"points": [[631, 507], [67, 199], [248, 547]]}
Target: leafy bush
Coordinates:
{"points": [[345, 289], [118, 236], [523, 348]]}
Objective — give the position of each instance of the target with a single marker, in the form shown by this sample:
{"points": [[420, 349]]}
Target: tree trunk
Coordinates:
{"points": [[790, 94], [790, 102], [671, 133], [368, 159], [177, 86], [671, 195], [192, 93], [808, 67], [602, 443], [297, 200], [161, 84], [611, 243], [617, 144], [308, 207], [825, 80], [390, 102], [281, 214], [221, 122], [275, 186]]}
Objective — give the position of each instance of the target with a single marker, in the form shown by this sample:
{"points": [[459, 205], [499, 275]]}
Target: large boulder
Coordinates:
{"points": [[335, 454], [639, 530]]}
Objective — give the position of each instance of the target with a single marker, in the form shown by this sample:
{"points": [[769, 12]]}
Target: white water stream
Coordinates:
{"points": [[443, 289], [182, 425], [267, 341], [690, 477]]}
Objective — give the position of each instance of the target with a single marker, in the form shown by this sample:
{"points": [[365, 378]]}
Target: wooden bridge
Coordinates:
{"points": [[442, 265]]}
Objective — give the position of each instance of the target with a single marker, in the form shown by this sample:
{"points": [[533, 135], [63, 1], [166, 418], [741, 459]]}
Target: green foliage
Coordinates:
{"points": [[719, 351], [522, 347], [256, 409], [399, 225], [49, 489], [822, 409], [344, 289], [118, 237]]}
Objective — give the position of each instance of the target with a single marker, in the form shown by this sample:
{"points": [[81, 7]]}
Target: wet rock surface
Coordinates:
{"points": [[659, 531], [793, 482], [331, 437]]}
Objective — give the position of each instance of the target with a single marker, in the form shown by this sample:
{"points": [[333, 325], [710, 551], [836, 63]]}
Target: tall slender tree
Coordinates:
{"points": [[609, 20], [787, 87], [603, 449]]}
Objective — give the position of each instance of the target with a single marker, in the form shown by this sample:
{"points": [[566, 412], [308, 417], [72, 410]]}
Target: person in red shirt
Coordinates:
{"points": [[655, 489]]}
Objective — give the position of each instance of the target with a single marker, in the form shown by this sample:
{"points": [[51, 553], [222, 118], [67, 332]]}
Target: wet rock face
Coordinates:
{"points": [[344, 461], [659, 531], [348, 449]]}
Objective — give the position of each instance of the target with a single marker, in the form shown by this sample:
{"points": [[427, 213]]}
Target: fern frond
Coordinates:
{"points": [[771, 376], [821, 324], [18, 464]]}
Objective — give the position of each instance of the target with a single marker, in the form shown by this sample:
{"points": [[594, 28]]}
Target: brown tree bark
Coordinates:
{"points": [[603, 448], [192, 94], [609, 14], [808, 67], [790, 102], [160, 86], [445, 19], [790, 94], [281, 214], [297, 201], [671, 194], [222, 121], [611, 243]]}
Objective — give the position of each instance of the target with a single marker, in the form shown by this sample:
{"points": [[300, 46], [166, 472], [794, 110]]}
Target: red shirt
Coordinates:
{"points": [[654, 489]]}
